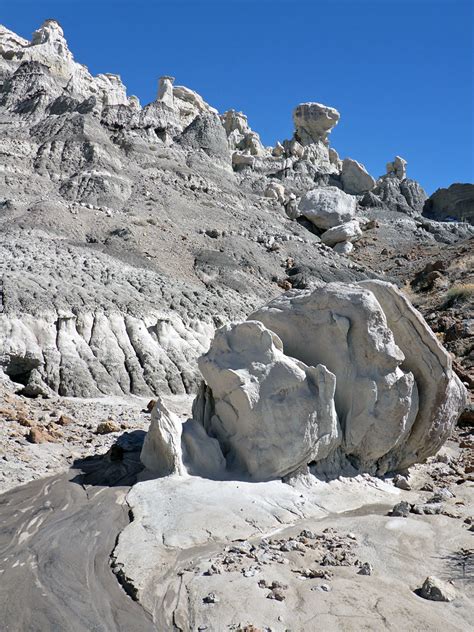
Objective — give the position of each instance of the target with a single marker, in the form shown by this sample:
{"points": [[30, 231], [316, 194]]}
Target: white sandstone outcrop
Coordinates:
{"points": [[355, 179], [271, 413], [10, 42], [327, 207], [202, 454], [314, 121], [345, 330], [359, 347], [334, 158], [348, 232], [111, 89]]}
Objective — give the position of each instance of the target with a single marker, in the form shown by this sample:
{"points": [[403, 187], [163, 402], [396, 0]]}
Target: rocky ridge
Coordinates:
{"points": [[130, 224]]}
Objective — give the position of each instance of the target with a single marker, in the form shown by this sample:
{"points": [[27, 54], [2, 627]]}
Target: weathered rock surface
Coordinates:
{"points": [[258, 392], [296, 538], [128, 233], [275, 191], [442, 396], [344, 247], [404, 196], [239, 134], [348, 232], [354, 177], [206, 132], [172, 447], [106, 212]]}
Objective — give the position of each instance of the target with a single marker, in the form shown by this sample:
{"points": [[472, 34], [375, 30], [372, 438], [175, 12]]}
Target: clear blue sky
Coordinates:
{"points": [[400, 72]]}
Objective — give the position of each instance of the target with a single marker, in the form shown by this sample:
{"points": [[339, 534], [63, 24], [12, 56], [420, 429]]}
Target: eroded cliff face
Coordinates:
{"points": [[130, 232]]}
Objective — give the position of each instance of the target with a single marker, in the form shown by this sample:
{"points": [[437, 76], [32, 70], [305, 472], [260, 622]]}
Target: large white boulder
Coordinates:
{"points": [[327, 207], [348, 232], [342, 375], [202, 455], [270, 413], [343, 327], [355, 179], [314, 121]]}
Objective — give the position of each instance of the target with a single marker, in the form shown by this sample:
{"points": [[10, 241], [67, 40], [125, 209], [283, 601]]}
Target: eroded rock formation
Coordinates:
{"points": [[130, 231], [339, 375]]}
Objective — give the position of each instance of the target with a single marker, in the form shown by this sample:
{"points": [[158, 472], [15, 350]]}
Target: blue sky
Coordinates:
{"points": [[400, 72]]}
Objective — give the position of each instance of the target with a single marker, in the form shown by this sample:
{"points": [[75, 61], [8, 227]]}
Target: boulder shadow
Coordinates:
{"points": [[118, 467]]}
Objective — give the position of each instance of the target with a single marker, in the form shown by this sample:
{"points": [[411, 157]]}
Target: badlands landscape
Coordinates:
{"points": [[236, 379]]}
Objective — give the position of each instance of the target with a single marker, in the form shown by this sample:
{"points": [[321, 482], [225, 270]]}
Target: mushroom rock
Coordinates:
{"points": [[314, 121]]}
